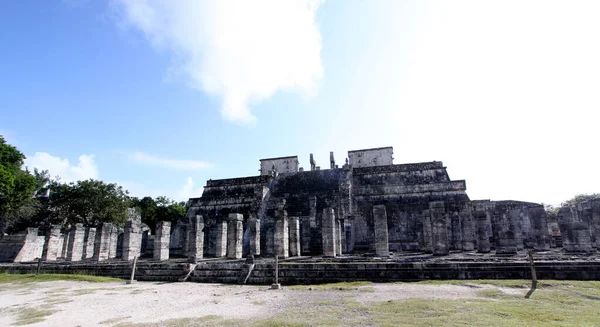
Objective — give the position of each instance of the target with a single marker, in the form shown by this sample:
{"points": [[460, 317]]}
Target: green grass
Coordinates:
{"points": [[31, 278], [343, 286], [30, 316]]}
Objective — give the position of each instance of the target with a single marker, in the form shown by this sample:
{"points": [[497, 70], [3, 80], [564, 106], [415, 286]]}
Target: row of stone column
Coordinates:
{"points": [[101, 243], [472, 228]]}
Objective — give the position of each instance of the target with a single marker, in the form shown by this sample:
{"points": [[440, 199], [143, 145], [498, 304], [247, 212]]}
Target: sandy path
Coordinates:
{"points": [[104, 304]]}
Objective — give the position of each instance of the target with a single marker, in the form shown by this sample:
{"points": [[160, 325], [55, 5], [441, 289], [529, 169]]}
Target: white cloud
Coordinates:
{"points": [[183, 193], [243, 51], [85, 169], [147, 159]]}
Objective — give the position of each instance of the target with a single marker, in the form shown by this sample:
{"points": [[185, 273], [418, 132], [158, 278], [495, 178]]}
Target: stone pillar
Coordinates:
{"points": [[254, 226], [114, 243], [221, 242], [466, 218], [50, 252], [439, 228], [382, 247], [338, 236], [235, 235], [505, 231], [350, 241], [595, 207], [294, 233], [196, 238], [575, 235], [456, 228], [132, 240], [162, 240], [515, 224], [306, 234], [102, 241], [65, 244], [539, 226], [427, 232], [88, 242], [75, 249], [342, 238], [483, 237], [281, 233], [328, 232]]}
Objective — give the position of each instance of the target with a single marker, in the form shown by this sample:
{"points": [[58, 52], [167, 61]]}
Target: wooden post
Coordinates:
{"points": [[533, 275], [132, 271], [39, 266], [276, 285]]}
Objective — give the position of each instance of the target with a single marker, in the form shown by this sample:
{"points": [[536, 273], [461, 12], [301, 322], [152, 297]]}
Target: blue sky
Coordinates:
{"points": [[160, 96]]}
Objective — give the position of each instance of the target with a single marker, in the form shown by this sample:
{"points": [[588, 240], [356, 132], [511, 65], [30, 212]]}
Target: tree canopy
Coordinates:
{"points": [[159, 209]]}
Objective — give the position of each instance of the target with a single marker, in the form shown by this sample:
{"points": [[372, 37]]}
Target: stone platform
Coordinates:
{"points": [[553, 264]]}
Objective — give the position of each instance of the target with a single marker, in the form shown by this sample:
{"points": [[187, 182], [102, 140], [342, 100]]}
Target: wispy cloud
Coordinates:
{"points": [[148, 159], [243, 51], [86, 167], [183, 193]]}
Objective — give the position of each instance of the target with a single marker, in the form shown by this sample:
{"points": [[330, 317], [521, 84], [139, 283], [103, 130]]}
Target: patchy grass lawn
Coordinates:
{"points": [[31, 278]]}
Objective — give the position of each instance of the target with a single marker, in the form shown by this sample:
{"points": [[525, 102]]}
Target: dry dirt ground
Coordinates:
{"points": [[73, 303]]}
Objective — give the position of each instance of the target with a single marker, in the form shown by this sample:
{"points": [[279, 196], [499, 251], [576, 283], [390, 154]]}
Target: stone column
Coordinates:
{"points": [[342, 237], [221, 242], [382, 247], [114, 243], [102, 241], [427, 232], [132, 240], [254, 226], [75, 249], [328, 232], [306, 234], [504, 231], [350, 241], [456, 228], [51, 243], [65, 244], [196, 238], [162, 240], [235, 235], [439, 228], [539, 226], [281, 233], [338, 237], [294, 233], [88, 242], [515, 224], [483, 237], [595, 207], [466, 217]]}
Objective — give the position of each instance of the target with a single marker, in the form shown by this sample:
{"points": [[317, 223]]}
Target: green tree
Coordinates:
{"points": [[88, 202], [159, 209], [581, 198], [16, 185]]}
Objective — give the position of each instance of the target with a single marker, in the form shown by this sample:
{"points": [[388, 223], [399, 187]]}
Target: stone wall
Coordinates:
{"points": [[24, 247]]}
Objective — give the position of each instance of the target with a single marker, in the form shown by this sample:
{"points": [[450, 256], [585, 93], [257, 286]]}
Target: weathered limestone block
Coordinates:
{"points": [[306, 234], [114, 242], [162, 239], [339, 225], [505, 232], [466, 217], [427, 232], [102, 244], [351, 234], [60, 246], [439, 228], [595, 208], [88, 242], [196, 248], [294, 233], [221, 241], [328, 232], [65, 245], [24, 247], [235, 234], [539, 226], [382, 247], [50, 252], [132, 240], [76, 237], [515, 224], [575, 235], [483, 238], [456, 231], [281, 236], [254, 227]]}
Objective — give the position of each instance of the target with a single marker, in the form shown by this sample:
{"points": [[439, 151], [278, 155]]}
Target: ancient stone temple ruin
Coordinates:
{"points": [[370, 205], [411, 219]]}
